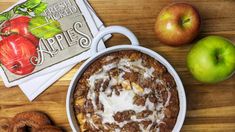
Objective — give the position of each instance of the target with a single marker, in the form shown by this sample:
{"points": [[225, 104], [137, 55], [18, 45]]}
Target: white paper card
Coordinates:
{"points": [[43, 82], [65, 57]]}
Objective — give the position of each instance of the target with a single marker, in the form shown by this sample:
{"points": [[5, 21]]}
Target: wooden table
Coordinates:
{"points": [[209, 107]]}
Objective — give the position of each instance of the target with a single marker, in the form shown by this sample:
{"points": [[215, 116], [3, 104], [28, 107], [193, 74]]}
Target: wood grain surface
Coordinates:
{"points": [[209, 107]]}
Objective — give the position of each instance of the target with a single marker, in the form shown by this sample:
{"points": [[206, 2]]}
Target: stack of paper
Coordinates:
{"points": [[35, 83]]}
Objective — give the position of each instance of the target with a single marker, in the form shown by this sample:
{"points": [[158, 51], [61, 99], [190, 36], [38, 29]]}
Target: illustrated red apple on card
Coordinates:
{"points": [[18, 46], [38, 35]]}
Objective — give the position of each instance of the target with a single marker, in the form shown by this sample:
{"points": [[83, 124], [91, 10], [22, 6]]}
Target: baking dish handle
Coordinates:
{"points": [[113, 29]]}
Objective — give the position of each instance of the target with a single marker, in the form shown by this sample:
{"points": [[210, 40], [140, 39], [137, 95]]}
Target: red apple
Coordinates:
{"points": [[19, 26], [177, 24], [15, 54]]}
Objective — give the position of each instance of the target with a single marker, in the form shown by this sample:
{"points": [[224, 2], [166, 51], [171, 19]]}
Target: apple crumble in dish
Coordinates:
{"points": [[126, 91]]}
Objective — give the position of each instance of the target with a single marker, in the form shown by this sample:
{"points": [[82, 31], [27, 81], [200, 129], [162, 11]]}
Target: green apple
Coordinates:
{"points": [[212, 59]]}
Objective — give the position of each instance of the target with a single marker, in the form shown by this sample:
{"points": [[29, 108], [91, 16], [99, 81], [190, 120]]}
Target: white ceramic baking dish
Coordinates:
{"points": [[134, 46]]}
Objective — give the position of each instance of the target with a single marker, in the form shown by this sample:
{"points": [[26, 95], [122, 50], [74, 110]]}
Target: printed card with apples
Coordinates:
{"points": [[42, 36]]}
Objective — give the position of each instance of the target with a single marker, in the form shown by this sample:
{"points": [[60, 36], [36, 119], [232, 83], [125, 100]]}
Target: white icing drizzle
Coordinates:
{"points": [[123, 101], [149, 73], [89, 119], [149, 104], [109, 58], [147, 91], [168, 97], [159, 81], [116, 104]]}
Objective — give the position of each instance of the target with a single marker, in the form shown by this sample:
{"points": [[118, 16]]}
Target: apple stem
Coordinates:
{"points": [[7, 33], [16, 66], [186, 20], [218, 57]]}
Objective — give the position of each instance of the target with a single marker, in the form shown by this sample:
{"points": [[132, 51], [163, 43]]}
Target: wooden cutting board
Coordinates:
{"points": [[209, 107]]}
